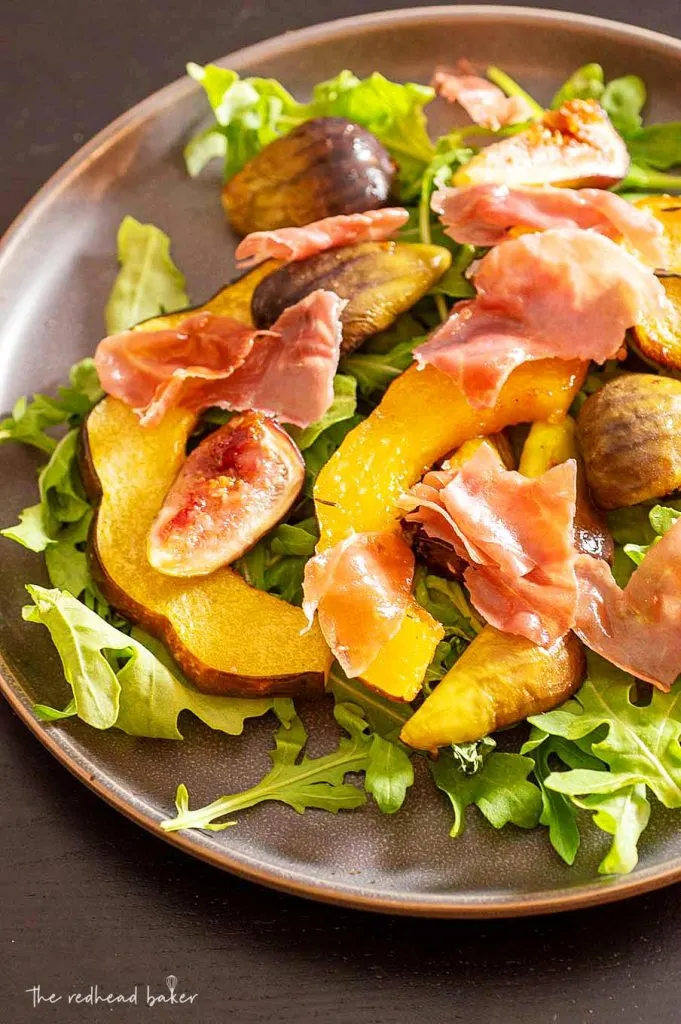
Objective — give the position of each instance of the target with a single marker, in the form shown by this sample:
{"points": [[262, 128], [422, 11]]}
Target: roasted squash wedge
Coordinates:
{"points": [[499, 680], [667, 209], [422, 417], [226, 636], [658, 340]]}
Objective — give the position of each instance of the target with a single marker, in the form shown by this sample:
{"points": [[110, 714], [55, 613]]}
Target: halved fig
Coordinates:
{"points": [[629, 434], [573, 146], [380, 280], [324, 167], [234, 487]]}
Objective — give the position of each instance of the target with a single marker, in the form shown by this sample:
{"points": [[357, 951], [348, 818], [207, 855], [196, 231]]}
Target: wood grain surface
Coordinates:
{"points": [[86, 898]]}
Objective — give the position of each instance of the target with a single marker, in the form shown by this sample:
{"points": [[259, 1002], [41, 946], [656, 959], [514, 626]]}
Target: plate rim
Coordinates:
{"points": [[597, 892]]}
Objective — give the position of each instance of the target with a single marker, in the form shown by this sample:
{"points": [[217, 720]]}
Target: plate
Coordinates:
{"points": [[56, 268]]}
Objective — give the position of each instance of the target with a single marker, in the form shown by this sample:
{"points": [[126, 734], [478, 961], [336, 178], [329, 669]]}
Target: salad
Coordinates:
{"points": [[421, 459]]}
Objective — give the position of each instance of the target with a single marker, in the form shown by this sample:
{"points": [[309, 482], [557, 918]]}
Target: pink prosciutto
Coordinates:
{"points": [[359, 589], [486, 214], [562, 293], [638, 628], [483, 101], [517, 535], [293, 244], [208, 360]]}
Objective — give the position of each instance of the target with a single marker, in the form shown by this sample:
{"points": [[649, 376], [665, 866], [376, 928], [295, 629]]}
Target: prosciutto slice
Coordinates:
{"points": [[293, 244], [151, 370], [517, 534], [487, 214], [562, 293], [287, 371], [638, 628], [483, 101], [359, 589]]}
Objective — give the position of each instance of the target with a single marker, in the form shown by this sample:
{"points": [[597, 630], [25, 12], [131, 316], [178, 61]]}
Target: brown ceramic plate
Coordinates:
{"points": [[56, 268]]}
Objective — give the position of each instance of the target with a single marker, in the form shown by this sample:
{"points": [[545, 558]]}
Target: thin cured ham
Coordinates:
{"points": [[293, 244], [483, 101], [517, 535], [209, 360], [638, 628], [359, 589], [135, 366], [562, 293], [487, 214]]}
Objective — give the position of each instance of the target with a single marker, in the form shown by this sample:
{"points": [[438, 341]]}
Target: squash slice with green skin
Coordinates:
{"points": [[226, 636], [423, 416]]}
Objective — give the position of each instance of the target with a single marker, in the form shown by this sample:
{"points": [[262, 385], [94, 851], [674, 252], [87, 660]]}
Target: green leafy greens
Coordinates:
{"points": [[446, 602], [32, 418], [126, 681], [277, 562], [500, 790], [148, 281], [615, 749], [296, 779], [251, 112]]}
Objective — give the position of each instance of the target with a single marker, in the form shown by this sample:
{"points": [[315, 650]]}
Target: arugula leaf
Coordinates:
{"points": [[31, 419], [277, 562], [640, 744], [251, 112], [623, 99], [389, 774], [207, 145], [586, 83], [321, 450], [148, 282], [342, 408], [118, 680], [454, 283], [446, 601], [385, 717], [65, 558], [662, 518], [657, 146], [500, 790], [294, 779], [558, 811], [374, 371], [624, 815], [30, 530], [61, 499]]}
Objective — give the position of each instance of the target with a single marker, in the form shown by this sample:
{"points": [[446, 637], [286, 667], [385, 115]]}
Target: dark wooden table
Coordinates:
{"points": [[86, 898]]}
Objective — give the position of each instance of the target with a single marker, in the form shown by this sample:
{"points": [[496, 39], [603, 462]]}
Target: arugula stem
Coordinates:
{"points": [[316, 769], [426, 236], [511, 88], [648, 178]]}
